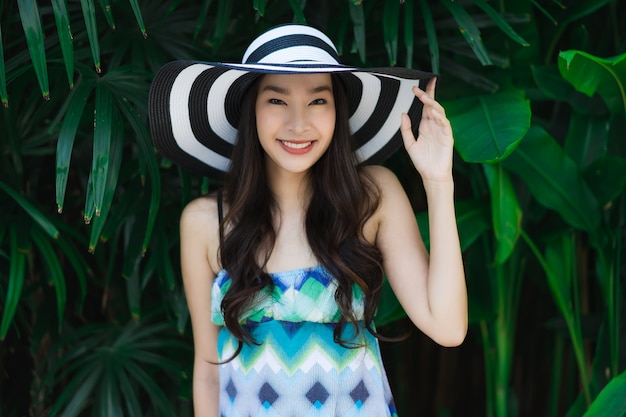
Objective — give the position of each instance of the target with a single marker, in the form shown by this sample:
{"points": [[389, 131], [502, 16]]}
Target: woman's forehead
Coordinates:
{"points": [[296, 82]]}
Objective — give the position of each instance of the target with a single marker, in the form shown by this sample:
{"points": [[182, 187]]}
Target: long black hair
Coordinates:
{"points": [[343, 198]]}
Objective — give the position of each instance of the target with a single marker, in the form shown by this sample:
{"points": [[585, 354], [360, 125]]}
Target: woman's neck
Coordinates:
{"points": [[290, 190]]}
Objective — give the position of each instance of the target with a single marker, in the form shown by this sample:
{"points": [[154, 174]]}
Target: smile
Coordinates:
{"points": [[294, 145]]}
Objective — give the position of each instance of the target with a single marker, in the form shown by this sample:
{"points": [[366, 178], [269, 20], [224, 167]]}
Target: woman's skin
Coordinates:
{"points": [[295, 122]]}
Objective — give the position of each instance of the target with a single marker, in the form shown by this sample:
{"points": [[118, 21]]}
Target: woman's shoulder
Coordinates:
{"points": [[201, 210], [199, 228], [390, 191], [384, 179], [200, 220]]}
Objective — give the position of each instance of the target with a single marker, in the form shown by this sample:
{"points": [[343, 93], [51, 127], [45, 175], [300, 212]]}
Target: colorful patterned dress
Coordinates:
{"points": [[298, 370]]}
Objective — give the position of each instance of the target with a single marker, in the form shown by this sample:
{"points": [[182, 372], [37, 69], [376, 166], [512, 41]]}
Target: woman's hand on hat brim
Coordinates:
{"points": [[431, 152]]}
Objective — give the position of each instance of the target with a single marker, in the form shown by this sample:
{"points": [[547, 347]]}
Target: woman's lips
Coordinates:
{"points": [[296, 147]]}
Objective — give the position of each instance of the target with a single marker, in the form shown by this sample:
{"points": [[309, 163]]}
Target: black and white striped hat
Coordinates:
{"points": [[194, 106]]}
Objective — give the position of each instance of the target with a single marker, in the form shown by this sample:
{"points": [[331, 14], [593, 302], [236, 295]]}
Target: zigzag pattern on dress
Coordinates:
{"points": [[297, 369], [300, 295], [305, 344], [302, 373]]}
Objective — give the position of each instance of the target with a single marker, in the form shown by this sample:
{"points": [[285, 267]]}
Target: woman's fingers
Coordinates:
{"points": [[405, 130], [430, 87]]}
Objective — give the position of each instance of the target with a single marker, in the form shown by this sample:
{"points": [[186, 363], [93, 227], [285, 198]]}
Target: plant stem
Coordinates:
{"points": [[572, 319], [489, 371]]}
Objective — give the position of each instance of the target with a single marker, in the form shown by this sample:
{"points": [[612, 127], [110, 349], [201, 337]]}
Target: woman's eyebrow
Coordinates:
{"points": [[275, 89], [321, 88]]}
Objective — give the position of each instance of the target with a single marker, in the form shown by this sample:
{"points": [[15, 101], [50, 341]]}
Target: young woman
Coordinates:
{"points": [[283, 267]]}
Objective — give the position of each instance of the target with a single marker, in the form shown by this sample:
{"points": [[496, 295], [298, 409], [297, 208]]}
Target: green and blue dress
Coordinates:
{"points": [[297, 369]]}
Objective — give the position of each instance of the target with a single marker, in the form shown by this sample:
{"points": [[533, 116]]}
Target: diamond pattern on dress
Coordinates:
{"points": [[297, 369], [291, 327], [317, 395], [231, 390], [359, 394], [267, 395]]}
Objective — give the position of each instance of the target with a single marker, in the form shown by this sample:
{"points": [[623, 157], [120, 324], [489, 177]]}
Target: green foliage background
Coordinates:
{"points": [[93, 315]]}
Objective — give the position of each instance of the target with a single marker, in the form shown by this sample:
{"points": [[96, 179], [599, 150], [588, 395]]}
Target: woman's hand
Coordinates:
{"points": [[431, 152]]}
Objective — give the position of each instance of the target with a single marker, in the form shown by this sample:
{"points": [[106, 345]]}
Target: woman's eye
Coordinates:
{"points": [[319, 101], [275, 101]]}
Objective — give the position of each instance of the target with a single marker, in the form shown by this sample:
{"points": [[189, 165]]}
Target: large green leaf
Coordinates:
{"points": [[506, 212], [29, 14], [89, 14], [114, 160], [590, 74], [487, 128], [103, 131], [554, 179], [137, 12], [611, 401], [105, 5], [18, 246], [62, 19], [67, 134]]}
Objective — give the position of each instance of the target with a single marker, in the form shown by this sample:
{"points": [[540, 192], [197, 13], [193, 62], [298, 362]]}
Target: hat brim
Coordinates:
{"points": [[194, 108]]}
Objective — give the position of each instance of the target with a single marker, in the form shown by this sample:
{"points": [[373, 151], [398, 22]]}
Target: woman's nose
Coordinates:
{"points": [[298, 119]]}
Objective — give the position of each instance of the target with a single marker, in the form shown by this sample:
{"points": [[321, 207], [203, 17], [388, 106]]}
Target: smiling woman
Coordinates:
{"points": [[288, 258]]}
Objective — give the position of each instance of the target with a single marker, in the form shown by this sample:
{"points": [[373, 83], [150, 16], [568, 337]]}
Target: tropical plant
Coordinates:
{"points": [[94, 319]]}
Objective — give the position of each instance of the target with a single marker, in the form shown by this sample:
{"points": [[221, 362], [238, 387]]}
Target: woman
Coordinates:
{"points": [[288, 259]]}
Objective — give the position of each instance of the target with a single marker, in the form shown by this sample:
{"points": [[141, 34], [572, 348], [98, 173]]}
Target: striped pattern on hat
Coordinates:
{"points": [[194, 106]]}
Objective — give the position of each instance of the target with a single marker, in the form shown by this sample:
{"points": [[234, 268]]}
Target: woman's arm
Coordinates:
{"points": [[198, 229], [430, 287]]}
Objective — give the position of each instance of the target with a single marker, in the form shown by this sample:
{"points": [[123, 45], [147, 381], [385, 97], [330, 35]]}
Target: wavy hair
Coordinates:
{"points": [[247, 234]]}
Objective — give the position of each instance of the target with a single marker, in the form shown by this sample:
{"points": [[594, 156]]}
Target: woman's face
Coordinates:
{"points": [[295, 119]]}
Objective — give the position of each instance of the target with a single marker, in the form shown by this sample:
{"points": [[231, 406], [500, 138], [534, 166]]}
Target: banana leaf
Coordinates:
{"points": [[487, 128], [590, 75]]}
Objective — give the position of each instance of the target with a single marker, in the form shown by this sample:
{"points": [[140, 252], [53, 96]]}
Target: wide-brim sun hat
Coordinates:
{"points": [[194, 106]]}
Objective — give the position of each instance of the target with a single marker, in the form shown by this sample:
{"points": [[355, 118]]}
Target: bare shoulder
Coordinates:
{"points": [[393, 200], [199, 228], [385, 180], [201, 211]]}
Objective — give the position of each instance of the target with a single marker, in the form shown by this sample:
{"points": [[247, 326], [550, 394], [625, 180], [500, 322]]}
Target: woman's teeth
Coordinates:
{"points": [[292, 145]]}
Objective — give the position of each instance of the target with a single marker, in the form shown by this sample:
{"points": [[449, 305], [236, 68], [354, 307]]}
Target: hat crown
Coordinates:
{"points": [[292, 44]]}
